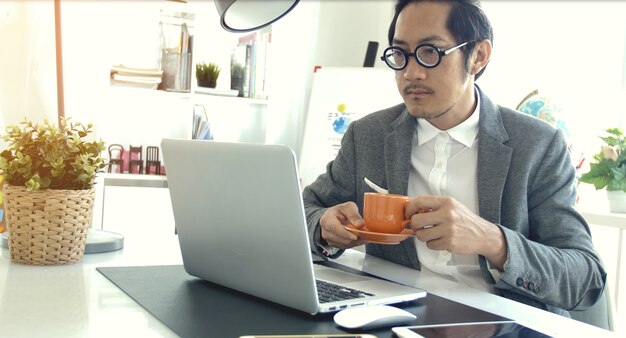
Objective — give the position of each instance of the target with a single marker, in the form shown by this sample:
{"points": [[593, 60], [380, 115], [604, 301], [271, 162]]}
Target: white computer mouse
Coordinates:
{"points": [[368, 317]]}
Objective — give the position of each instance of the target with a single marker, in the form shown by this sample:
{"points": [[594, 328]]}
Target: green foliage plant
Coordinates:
{"points": [[207, 74], [46, 156], [609, 169]]}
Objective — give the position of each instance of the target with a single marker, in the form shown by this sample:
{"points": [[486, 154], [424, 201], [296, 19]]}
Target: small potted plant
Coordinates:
{"points": [[609, 169], [207, 75], [49, 172]]}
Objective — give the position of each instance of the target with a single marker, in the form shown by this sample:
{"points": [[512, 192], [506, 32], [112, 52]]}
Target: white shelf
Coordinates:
{"points": [[594, 206]]}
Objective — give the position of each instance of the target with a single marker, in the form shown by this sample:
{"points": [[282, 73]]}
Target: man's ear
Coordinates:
{"points": [[480, 56]]}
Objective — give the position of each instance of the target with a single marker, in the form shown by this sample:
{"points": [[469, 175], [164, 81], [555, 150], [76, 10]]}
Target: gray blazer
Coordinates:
{"points": [[525, 185]]}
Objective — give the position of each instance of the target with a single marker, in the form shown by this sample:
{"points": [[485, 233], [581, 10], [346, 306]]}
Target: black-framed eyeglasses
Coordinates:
{"points": [[426, 54]]}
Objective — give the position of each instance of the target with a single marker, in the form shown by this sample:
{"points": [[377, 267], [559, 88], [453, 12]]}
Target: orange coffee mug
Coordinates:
{"points": [[384, 213]]}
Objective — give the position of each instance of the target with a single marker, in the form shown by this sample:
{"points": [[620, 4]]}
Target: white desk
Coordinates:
{"points": [[77, 301]]}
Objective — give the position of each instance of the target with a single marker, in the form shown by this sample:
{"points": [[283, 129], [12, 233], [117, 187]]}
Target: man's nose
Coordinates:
{"points": [[414, 71]]}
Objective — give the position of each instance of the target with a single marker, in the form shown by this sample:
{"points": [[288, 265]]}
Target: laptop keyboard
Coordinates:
{"points": [[328, 292]]}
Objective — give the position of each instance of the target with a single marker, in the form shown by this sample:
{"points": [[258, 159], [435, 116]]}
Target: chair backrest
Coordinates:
{"points": [[135, 150], [152, 153], [600, 314], [116, 151]]}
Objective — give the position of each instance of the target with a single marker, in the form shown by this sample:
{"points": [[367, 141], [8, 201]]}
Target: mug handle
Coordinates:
{"points": [[406, 221]]}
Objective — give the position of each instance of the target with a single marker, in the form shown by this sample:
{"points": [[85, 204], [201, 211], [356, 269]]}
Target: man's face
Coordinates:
{"points": [[444, 94]]}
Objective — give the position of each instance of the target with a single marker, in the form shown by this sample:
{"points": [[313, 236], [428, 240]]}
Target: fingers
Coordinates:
{"points": [[451, 226], [428, 211], [433, 220], [332, 225], [342, 238], [426, 220], [439, 244], [349, 213], [436, 237], [421, 204]]}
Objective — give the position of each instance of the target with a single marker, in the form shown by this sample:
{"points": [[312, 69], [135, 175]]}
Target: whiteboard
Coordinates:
{"points": [[340, 96]]}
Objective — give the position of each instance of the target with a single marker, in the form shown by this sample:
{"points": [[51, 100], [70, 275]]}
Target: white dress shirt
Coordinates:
{"points": [[444, 163]]}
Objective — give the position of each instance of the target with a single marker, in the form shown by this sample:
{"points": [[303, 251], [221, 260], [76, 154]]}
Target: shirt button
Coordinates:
{"points": [[519, 281]]}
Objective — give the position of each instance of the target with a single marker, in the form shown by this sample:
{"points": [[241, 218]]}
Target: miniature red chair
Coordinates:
{"points": [[116, 153], [152, 160], [135, 159]]}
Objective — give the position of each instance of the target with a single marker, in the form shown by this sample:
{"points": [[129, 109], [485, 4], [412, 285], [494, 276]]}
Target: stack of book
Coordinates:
{"points": [[201, 129], [249, 62], [136, 77]]}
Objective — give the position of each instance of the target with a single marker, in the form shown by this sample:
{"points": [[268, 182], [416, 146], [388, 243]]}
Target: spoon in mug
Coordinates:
{"points": [[375, 187]]}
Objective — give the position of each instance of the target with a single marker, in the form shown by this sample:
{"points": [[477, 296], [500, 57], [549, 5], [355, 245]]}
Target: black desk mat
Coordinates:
{"points": [[192, 307]]}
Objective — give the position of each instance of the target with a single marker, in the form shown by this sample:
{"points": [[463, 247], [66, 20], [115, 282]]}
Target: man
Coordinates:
{"points": [[497, 185]]}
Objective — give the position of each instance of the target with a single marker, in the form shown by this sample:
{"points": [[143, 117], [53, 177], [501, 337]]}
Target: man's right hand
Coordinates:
{"points": [[332, 225]]}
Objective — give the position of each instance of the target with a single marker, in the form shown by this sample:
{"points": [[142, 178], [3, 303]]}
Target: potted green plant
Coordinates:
{"points": [[49, 172], [207, 75], [609, 169]]}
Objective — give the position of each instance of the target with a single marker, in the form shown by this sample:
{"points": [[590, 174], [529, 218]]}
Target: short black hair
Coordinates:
{"points": [[466, 22]]}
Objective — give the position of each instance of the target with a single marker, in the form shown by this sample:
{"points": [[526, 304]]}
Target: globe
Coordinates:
{"points": [[340, 124], [544, 108]]}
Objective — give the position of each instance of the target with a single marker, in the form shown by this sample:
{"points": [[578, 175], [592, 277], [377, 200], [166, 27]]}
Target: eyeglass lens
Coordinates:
{"points": [[426, 55]]}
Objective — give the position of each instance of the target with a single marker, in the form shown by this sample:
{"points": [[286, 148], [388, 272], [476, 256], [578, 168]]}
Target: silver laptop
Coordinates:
{"points": [[241, 224]]}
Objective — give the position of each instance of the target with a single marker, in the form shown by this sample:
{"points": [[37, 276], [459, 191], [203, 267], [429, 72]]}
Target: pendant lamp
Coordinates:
{"points": [[249, 15]]}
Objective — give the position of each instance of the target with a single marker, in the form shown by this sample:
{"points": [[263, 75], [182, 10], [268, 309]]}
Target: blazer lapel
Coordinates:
{"points": [[398, 146], [494, 158], [398, 153]]}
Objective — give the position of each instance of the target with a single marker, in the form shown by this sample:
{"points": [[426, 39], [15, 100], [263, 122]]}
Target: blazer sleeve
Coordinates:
{"points": [[335, 186], [555, 262]]}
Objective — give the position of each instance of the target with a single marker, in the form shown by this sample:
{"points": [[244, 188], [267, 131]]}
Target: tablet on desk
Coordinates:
{"points": [[317, 336], [476, 330]]}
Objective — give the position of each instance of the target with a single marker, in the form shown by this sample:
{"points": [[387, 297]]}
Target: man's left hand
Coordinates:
{"points": [[451, 226]]}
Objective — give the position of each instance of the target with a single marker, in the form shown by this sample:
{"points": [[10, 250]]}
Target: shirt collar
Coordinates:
{"points": [[464, 133]]}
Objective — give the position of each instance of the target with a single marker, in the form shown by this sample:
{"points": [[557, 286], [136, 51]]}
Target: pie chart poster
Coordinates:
{"points": [[339, 96]]}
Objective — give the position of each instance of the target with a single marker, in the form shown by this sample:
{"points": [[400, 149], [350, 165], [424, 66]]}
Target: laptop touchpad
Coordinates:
{"points": [[336, 276]]}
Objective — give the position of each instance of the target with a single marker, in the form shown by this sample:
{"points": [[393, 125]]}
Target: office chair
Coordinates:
{"points": [[137, 160], [152, 159], [116, 156], [600, 314]]}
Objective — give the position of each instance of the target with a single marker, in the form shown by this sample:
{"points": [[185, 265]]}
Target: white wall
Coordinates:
{"points": [[27, 65], [346, 26], [572, 51]]}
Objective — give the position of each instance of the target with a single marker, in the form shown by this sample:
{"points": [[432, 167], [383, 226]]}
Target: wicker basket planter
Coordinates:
{"points": [[47, 227]]}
